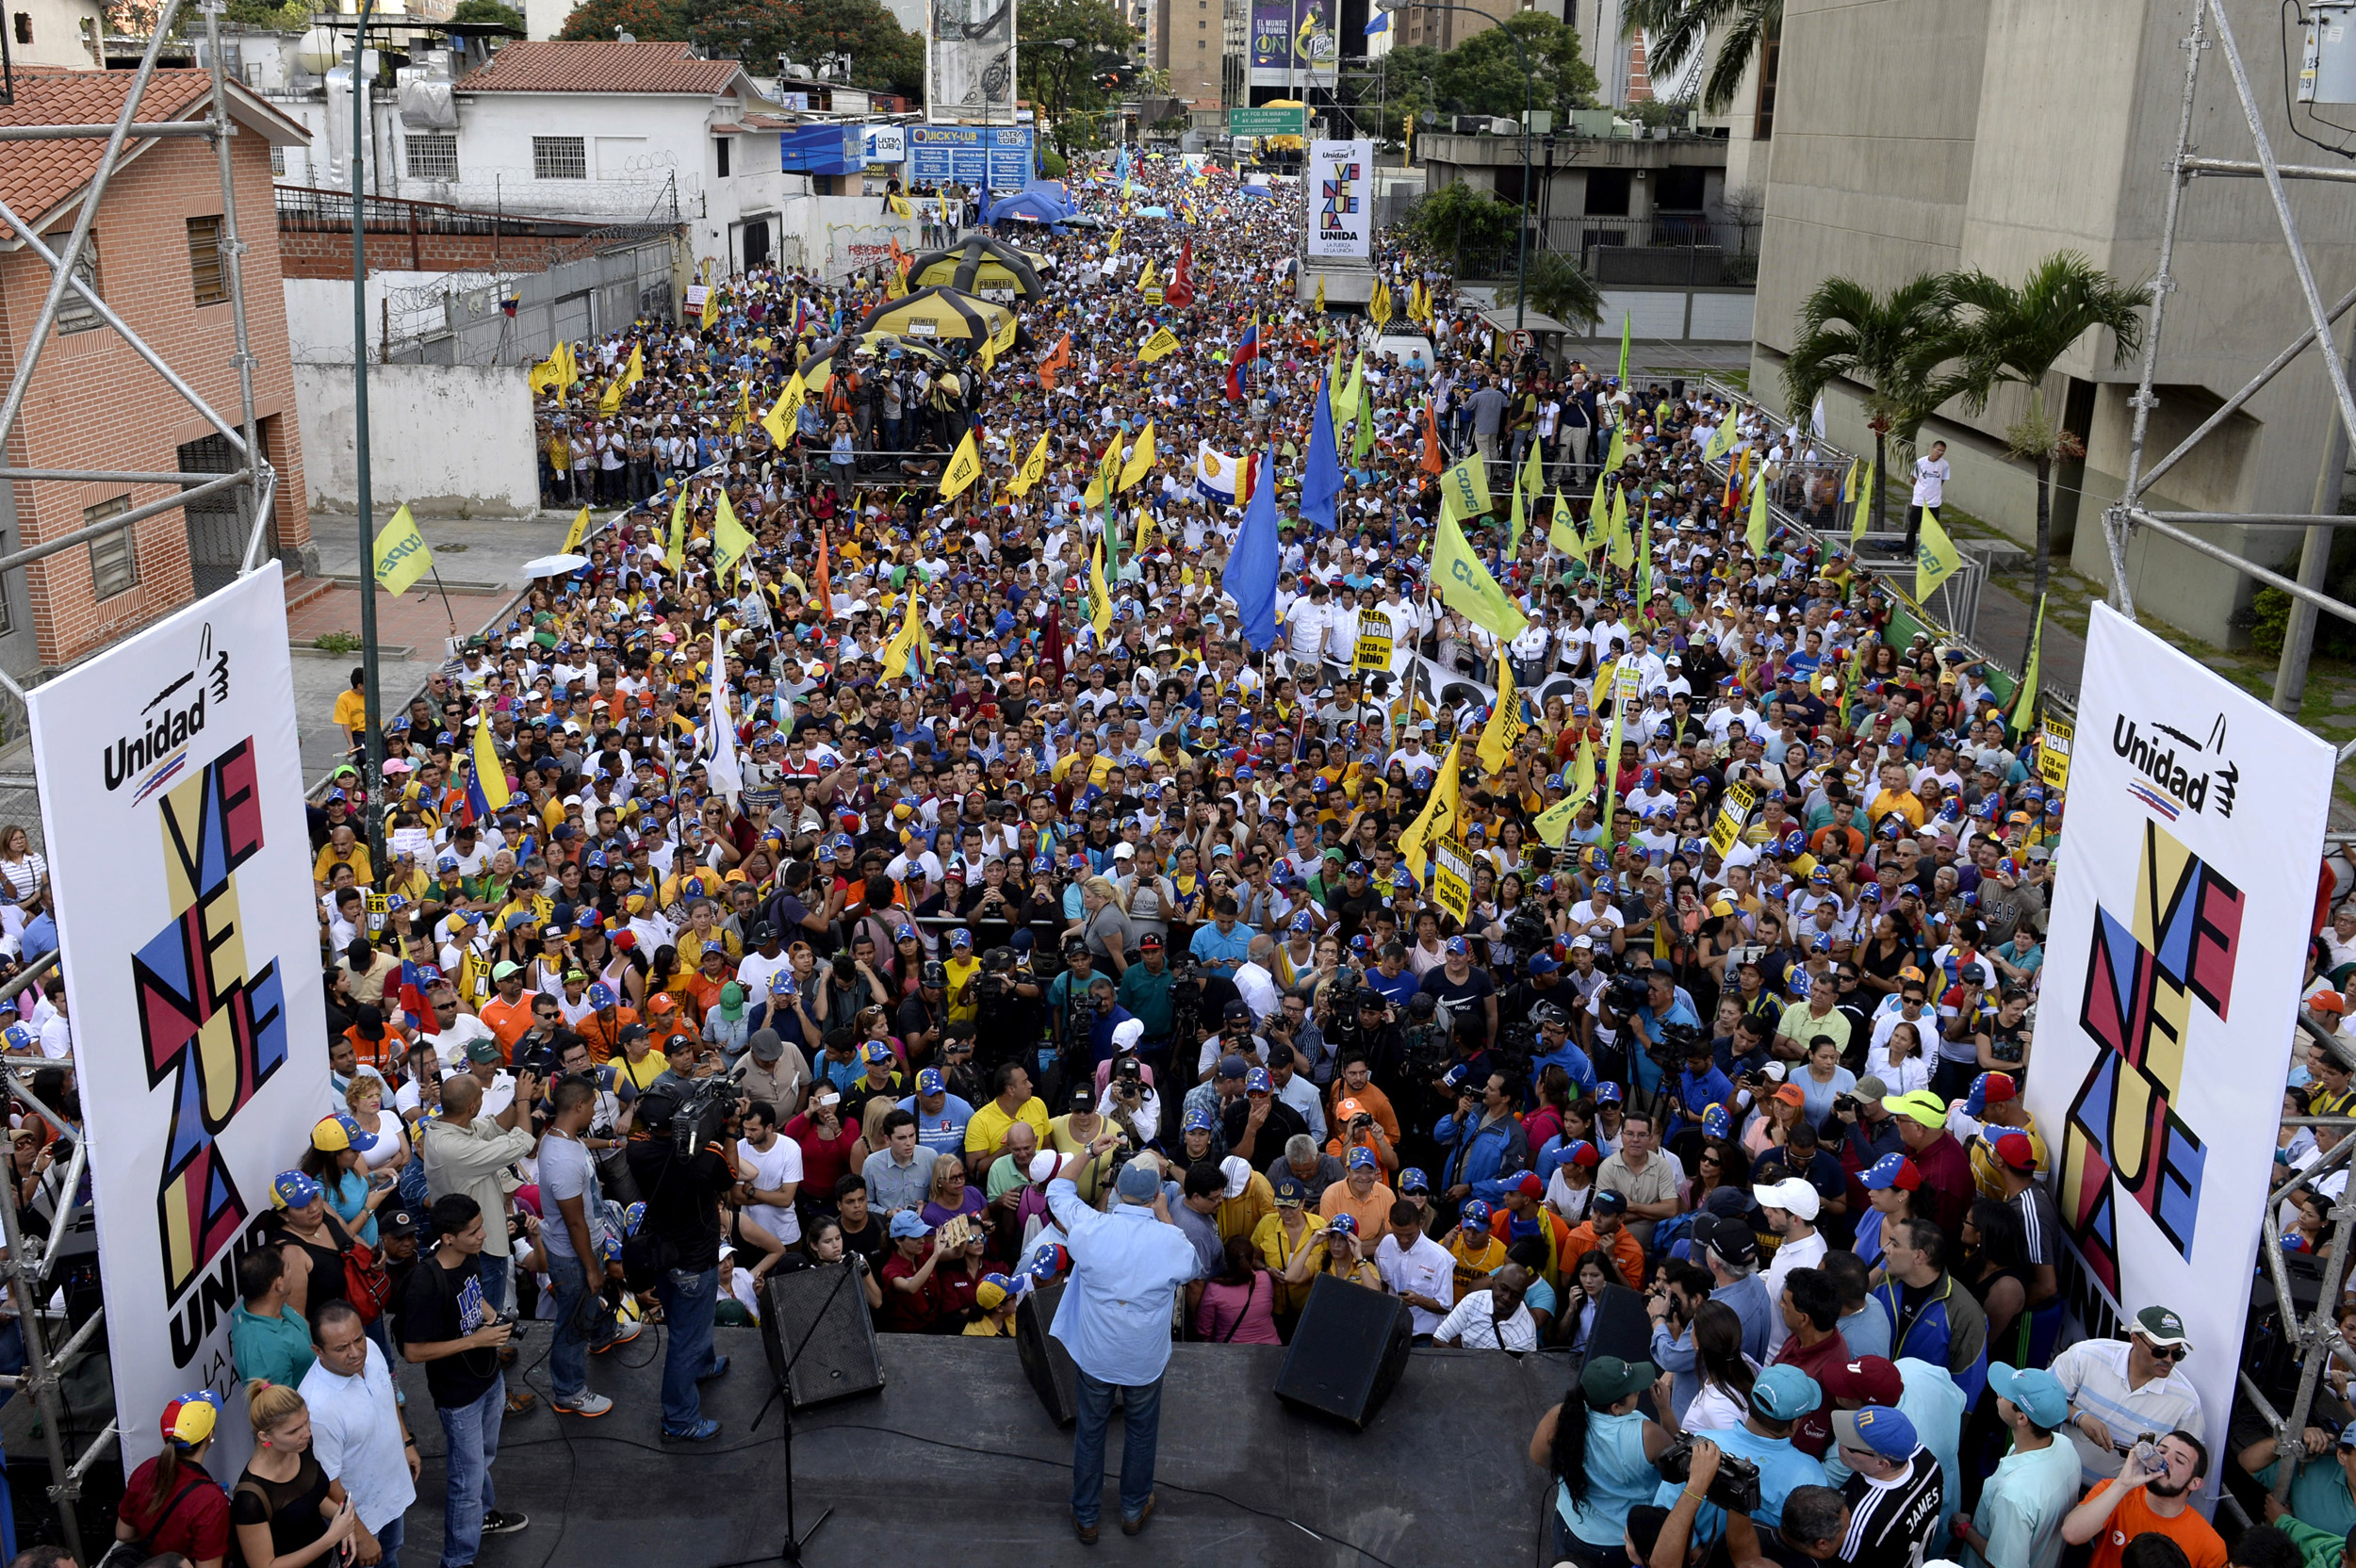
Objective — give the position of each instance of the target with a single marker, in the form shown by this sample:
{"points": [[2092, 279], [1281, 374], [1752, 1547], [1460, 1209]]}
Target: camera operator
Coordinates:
{"points": [[1235, 1037], [1541, 982], [607, 1134], [924, 1012], [1555, 1048], [1130, 1102], [1009, 1010], [1106, 1016], [681, 1234], [1860, 1130], [1292, 1032]]}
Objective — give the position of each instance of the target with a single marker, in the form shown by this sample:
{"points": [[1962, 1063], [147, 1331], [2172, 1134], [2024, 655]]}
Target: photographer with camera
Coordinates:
{"points": [[1010, 1008], [1769, 1470], [449, 1326], [685, 1167], [1131, 1104], [1600, 1449]]}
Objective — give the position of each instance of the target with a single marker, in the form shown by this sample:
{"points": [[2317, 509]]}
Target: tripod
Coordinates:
{"points": [[783, 1399]]}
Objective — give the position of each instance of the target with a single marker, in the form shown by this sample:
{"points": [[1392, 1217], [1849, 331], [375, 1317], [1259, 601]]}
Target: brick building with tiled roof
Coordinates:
{"points": [[93, 403]]}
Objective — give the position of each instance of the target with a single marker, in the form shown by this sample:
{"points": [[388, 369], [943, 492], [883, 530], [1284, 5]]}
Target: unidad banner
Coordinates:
{"points": [[2182, 903], [172, 797]]}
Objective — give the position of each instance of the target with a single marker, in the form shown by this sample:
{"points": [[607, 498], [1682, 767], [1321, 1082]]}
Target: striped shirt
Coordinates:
{"points": [[2040, 1224], [2093, 1373], [1891, 1523]]}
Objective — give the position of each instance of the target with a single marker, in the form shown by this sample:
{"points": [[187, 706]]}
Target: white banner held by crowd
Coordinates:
{"points": [[2180, 922], [172, 796], [1341, 200]]}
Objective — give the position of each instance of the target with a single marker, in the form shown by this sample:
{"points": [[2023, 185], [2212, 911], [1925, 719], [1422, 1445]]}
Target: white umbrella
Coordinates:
{"points": [[554, 565]]}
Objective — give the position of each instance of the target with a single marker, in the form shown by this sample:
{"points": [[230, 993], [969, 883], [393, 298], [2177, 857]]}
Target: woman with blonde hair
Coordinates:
{"points": [[871, 1133], [364, 1097], [1105, 922], [287, 1511]]}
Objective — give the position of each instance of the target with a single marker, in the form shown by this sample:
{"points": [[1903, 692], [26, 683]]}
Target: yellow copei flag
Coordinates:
{"points": [[1140, 460], [1864, 514], [1319, 303], [779, 422], [2024, 701], [635, 372], [674, 555], [904, 642], [1160, 346], [1620, 548], [965, 466], [1112, 246], [1034, 470], [711, 307], [1107, 476], [1935, 558], [1465, 584], [1754, 530], [1721, 440], [1435, 821], [611, 403], [1505, 726], [575, 534], [1465, 489], [1564, 533], [899, 206], [1100, 596], [730, 539], [401, 557], [1145, 279]]}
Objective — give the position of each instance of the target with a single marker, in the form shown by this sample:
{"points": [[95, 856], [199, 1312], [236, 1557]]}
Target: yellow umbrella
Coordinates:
{"points": [[819, 368], [937, 314]]}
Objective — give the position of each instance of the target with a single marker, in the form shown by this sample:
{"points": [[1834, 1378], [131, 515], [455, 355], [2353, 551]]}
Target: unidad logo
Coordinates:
{"points": [[171, 717], [2192, 775]]}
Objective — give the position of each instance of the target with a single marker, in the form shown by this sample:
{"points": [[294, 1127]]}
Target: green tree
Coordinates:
{"points": [[485, 11], [1674, 29], [1559, 288], [291, 16], [1893, 343], [2018, 334], [884, 55], [1483, 74], [1408, 75], [1070, 83], [647, 20], [1466, 225]]}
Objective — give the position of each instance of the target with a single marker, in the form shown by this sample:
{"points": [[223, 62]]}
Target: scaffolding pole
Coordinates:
{"points": [[49, 1349]]}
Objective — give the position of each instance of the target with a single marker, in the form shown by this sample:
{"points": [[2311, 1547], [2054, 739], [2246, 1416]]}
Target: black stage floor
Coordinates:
{"points": [[956, 1453]]}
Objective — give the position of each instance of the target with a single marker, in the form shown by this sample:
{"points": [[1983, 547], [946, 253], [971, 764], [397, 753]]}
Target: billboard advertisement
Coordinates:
{"points": [[172, 798], [885, 143], [996, 158], [1293, 44], [1341, 200], [969, 60], [2182, 897]]}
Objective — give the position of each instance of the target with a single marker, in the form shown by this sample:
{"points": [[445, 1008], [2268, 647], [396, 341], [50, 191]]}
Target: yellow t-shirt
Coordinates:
{"points": [[359, 859], [987, 1129], [960, 970], [351, 712]]}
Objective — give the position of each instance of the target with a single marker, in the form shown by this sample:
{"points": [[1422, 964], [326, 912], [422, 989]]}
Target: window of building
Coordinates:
{"points": [[74, 312], [433, 156], [1607, 193], [720, 148], [24, 27], [278, 161], [206, 272], [1676, 189], [559, 157], [114, 558]]}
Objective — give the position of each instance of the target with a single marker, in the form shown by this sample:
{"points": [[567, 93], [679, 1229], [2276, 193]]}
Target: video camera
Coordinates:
{"points": [[693, 1115], [1734, 1488]]}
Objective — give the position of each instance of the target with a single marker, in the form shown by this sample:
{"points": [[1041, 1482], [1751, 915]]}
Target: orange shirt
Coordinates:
{"points": [[387, 1054], [507, 1020], [703, 993], [1373, 1212], [605, 1038], [1373, 1100], [1625, 1254], [2203, 1547]]}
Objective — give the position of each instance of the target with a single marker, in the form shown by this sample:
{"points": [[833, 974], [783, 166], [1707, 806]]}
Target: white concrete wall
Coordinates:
{"points": [[451, 440], [59, 42], [839, 234]]}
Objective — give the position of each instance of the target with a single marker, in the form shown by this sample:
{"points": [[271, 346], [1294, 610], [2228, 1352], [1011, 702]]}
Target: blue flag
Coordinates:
{"points": [[1250, 575], [1321, 479]]}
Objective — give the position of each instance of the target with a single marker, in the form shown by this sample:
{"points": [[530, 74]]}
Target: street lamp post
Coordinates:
{"points": [[1521, 247]]}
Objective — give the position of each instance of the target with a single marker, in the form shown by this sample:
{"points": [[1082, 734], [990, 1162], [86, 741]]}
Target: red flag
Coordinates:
{"points": [[1431, 462], [1050, 642], [1057, 357], [1179, 292]]}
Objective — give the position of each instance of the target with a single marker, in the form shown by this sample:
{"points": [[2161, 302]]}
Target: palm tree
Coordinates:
{"points": [[2007, 333], [1562, 288], [1894, 344], [1675, 28]]}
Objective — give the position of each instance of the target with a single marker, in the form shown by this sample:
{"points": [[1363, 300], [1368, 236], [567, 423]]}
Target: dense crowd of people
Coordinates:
{"points": [[830, 874]]}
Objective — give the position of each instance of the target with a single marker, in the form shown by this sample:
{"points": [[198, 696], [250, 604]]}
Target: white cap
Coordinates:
{"points": [[1127, 1032], [1238, 1173], [1791, 1194], [1045, 1164]]}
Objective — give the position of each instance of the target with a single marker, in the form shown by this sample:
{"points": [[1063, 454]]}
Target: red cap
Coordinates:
{"points": [[2016, 1151], [1999, 1086], [1528, 1185], [1868, 1380]]}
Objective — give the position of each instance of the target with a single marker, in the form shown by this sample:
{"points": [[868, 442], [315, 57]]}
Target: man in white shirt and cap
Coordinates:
{"points": [[1791, 1207]]}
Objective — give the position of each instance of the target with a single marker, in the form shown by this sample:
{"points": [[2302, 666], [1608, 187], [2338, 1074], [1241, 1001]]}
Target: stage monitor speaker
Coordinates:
{"points": [[1045, 1362], [1348, 1349], [1622, 1327], [821, 1341]]}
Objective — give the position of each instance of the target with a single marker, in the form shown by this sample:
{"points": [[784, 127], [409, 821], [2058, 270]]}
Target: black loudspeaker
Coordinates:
{"points": [[1347, 1351], [1623, 1328], [1045, 1362], [820, 1339]]}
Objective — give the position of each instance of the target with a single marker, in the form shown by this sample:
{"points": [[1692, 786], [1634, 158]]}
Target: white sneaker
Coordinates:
{"points": [[584, 1403]]}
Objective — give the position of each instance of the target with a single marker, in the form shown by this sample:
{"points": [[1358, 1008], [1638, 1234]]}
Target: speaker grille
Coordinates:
{"points": [[821, 1315]]}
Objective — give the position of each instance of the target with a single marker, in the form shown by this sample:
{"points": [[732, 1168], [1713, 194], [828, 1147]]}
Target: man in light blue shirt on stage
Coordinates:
{"points": [[1115, 1318]]}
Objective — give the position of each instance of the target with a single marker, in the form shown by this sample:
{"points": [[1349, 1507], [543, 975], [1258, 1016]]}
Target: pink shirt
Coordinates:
{"points": [[1254, 1305]]}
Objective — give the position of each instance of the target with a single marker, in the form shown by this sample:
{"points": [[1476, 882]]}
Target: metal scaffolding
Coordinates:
{"points": [[2210, 28], [49, 1350], [2315, 1339]]}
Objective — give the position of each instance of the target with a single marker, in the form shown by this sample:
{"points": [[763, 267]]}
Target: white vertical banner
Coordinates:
{"points": [[1341, 200], [172, 798], [2181, 912]]}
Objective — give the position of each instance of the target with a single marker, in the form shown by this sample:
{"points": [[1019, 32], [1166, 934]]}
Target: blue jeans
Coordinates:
{"points": [[492, 1271], [472, 1435], [389, 1538], [1144, 1405], [688, 1298], [568, 1354]]}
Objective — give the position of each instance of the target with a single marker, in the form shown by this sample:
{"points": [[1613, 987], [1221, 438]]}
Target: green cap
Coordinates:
{"points": [[1608, 1379]]}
